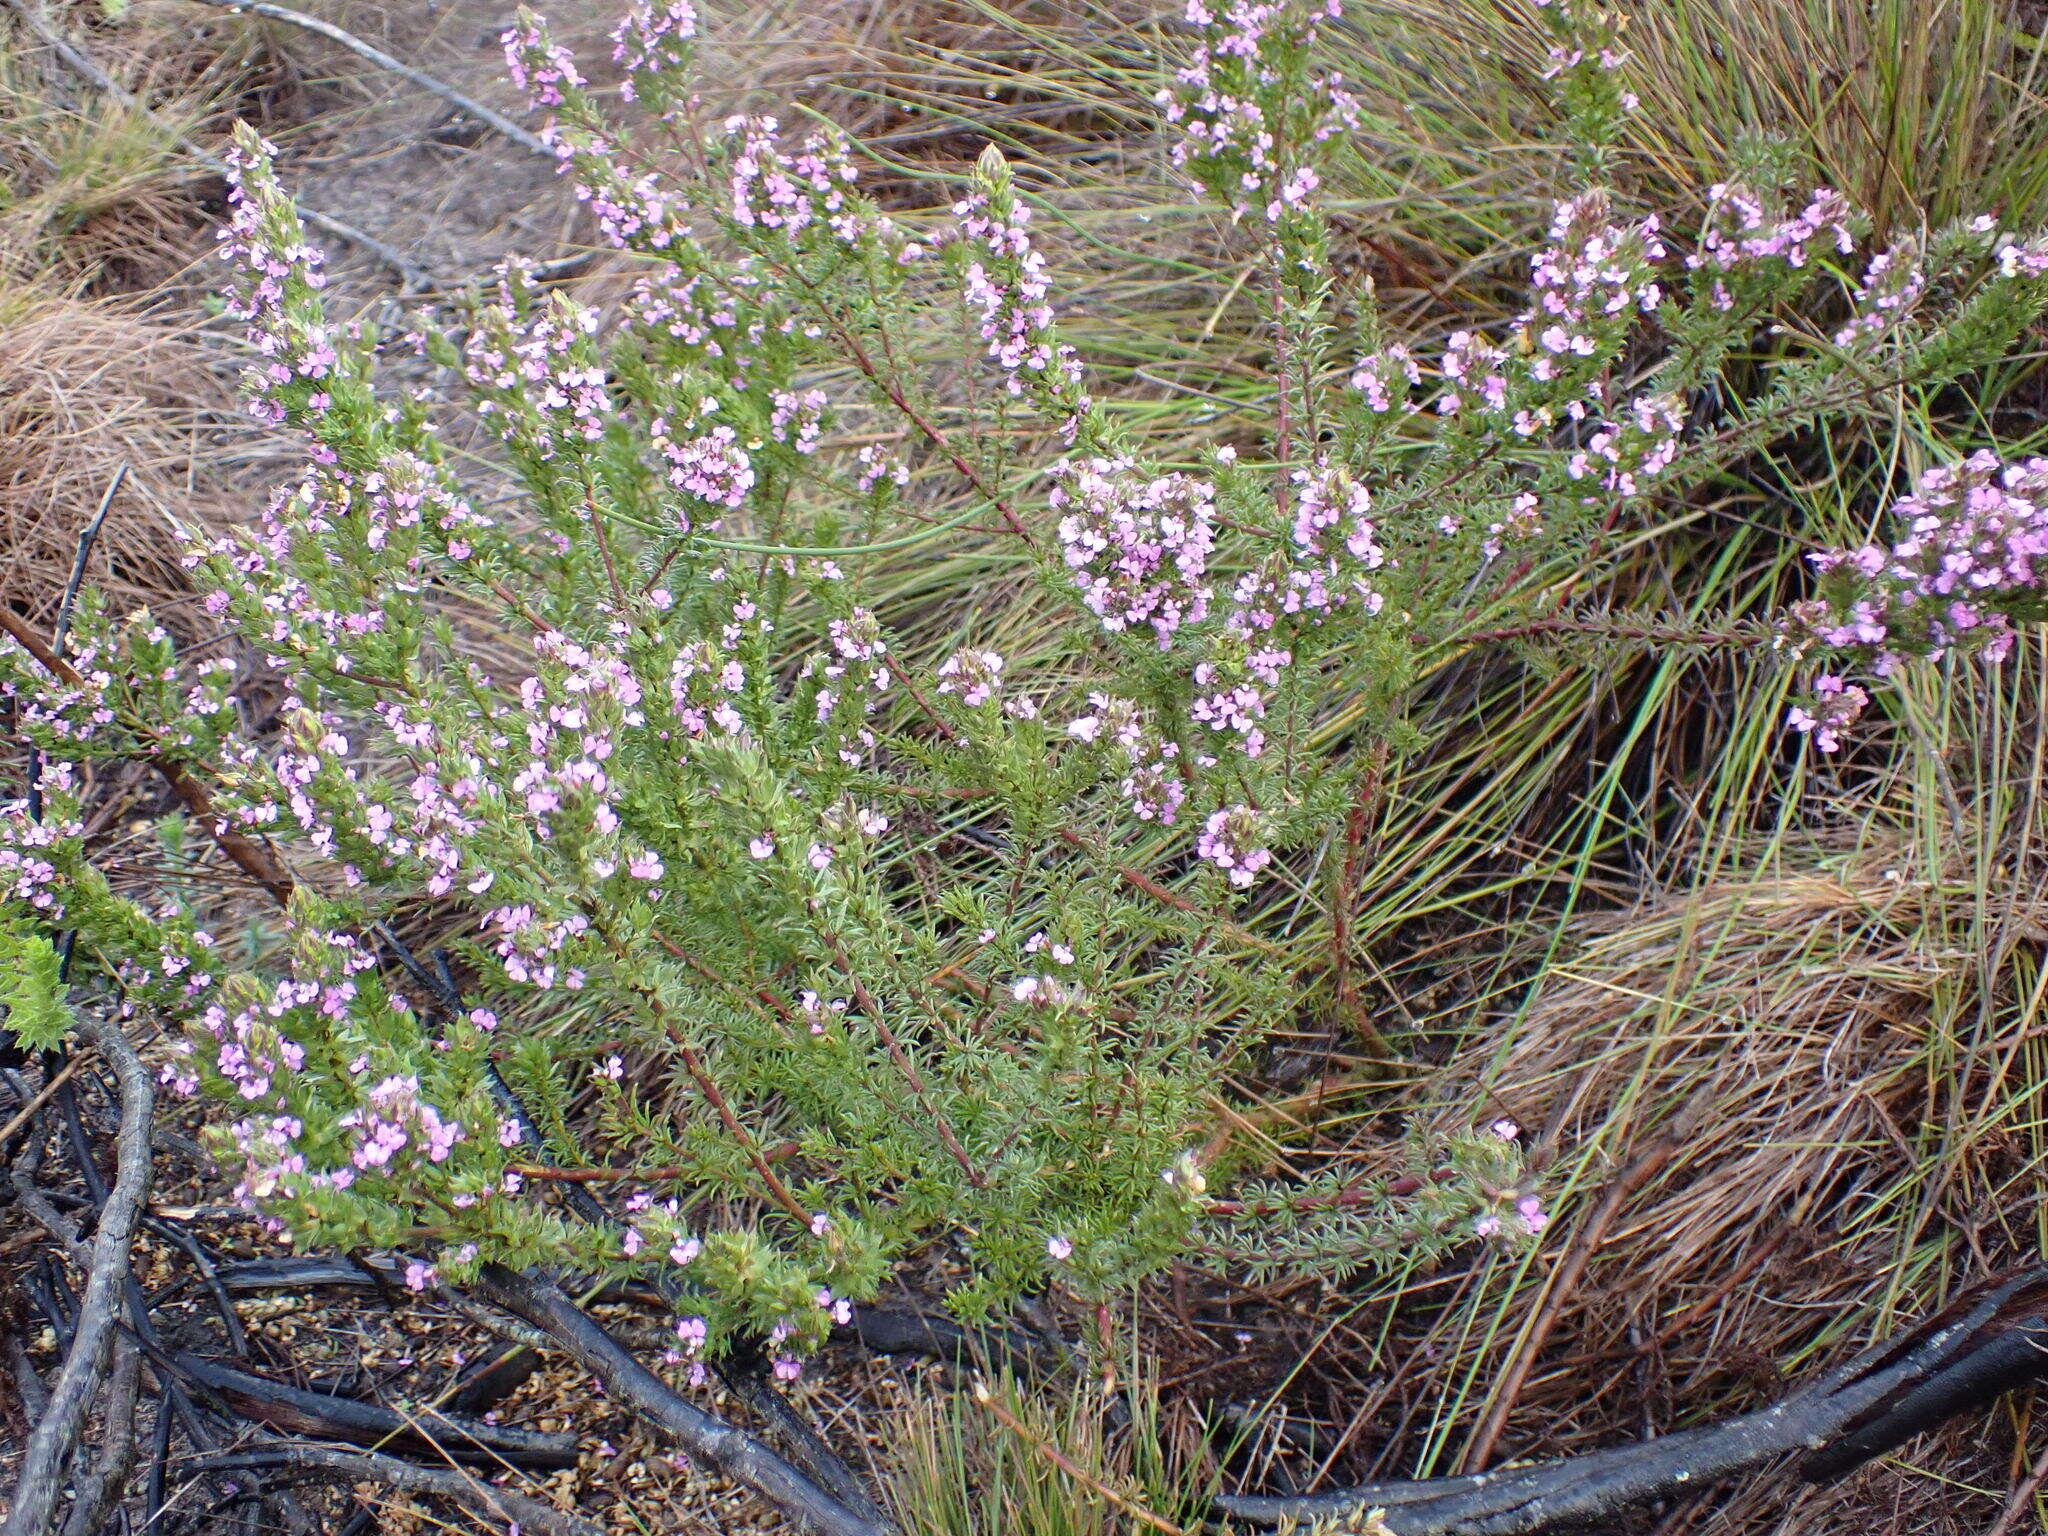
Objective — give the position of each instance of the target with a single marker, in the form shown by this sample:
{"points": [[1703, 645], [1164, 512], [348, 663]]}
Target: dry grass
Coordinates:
{"points": [[101, 189], [1781, 1109], [86, 388], [101, 371], [1920, 110]]}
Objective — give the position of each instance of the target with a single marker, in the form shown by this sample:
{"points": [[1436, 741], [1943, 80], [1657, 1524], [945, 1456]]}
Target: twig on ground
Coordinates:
{"points": [[47, 1092], [1961, 1358], [102, 1489], [294, 1410], [369, 1467], [209, 1274], [410, 276], [799, 1439], [2009, 1516], [497, 122], [717, 1445], [87, 538], [57, 1431], [492, 1321], [34, 1400]]}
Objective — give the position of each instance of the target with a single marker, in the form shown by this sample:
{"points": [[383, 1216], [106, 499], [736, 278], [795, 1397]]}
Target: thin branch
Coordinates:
{"points": [[57, 1431], [747, 1380], [716, 1445], [83, 557], [368, 1467], [296, 1411], [103, 1488], [47, 1092], [2015, 1506], [1959, 1359], [495, 121]]}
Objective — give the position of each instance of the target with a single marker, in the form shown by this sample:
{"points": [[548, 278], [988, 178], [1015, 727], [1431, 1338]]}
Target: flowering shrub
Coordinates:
{"points": [[1968, 561], [833, 942]]}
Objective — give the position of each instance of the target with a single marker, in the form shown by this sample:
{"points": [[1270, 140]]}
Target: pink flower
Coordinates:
{"points": [[1138, 545], [1233, 840], [975, 675]]}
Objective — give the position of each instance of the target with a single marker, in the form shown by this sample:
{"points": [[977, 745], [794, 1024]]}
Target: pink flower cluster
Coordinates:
{"points": [[1625, 454], [542, 69], [1154, 785], [1385, 377], [1892, 285], [1972, 555], [28, 872], [2024, 258], [1241, 117], [976, 676], [703, 683], [1589, 283], [394, 1117], [1528, 1213], [717, 316], [1006, 283], [711, 468], [774, 190], [275, 271], [652, 37], [538, 374], [1138, 546], [851, 682], [1744, 229], [78, 712], [1233, 839], [633, 211], [661, 1227], [798, 418], [879, 467], [1594, 275]]}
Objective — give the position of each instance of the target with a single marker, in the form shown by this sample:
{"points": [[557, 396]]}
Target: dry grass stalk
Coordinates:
{"points": [[85, 388]]}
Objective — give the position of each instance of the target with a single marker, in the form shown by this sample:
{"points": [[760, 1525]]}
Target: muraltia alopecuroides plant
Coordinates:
{"points": [[836, 944]]}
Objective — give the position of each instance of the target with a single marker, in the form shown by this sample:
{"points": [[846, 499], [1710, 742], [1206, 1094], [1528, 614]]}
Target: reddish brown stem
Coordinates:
{"points": [[1350, 1000], [1563, 1282], [245, 853], [708, 1086], [1151, 887], [551, 1175], [872, 1008]]}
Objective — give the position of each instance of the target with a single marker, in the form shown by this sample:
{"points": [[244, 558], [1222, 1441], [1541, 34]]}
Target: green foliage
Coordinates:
{"points": [[31, 986], [845, 940]]}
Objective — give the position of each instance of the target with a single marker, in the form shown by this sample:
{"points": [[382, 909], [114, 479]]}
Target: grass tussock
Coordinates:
{"points": [[996, 1457], [86, 389], [110, 188], [1921, 111]]}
